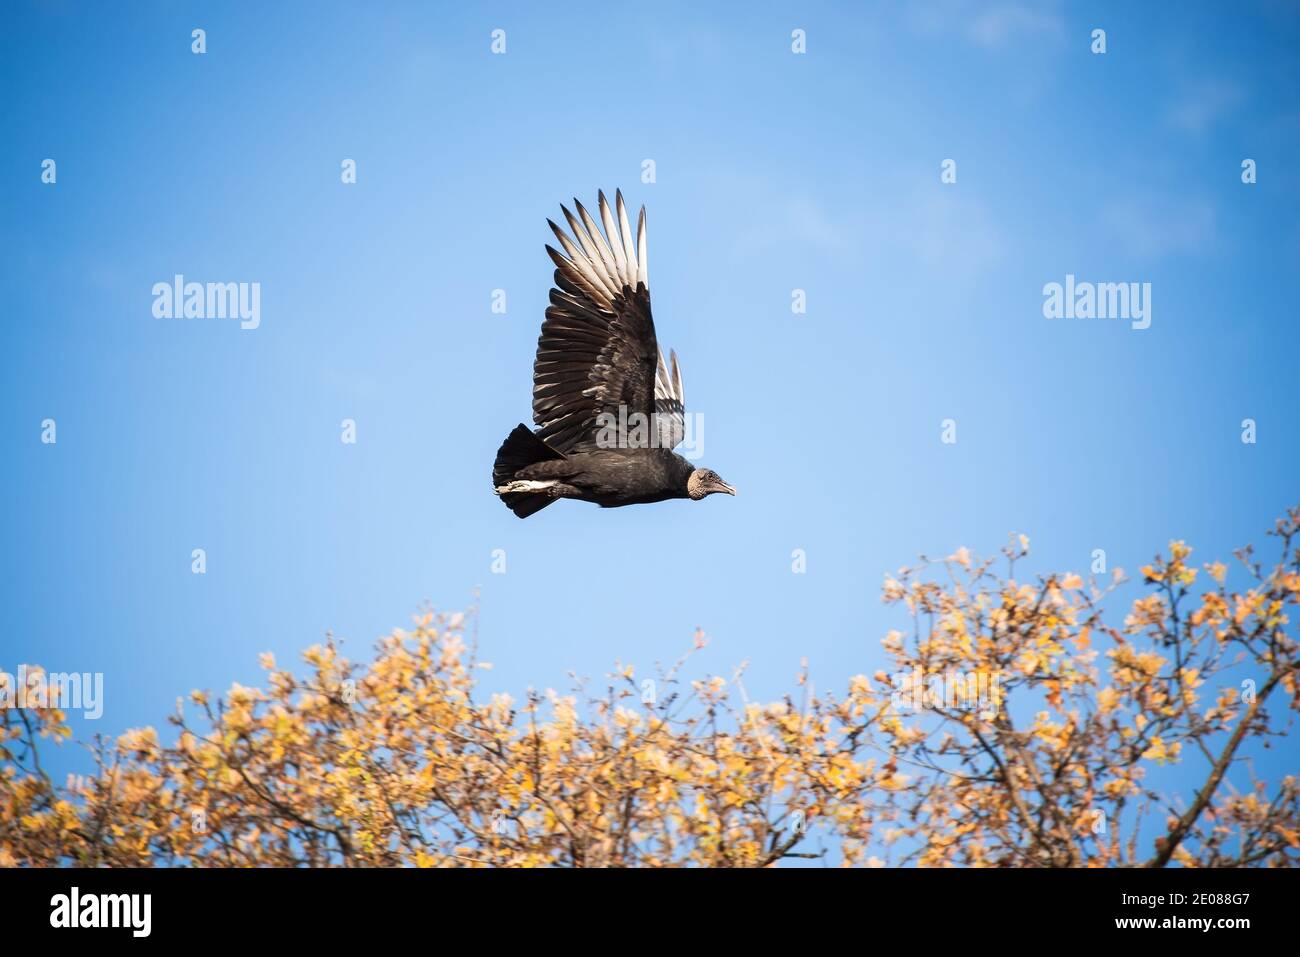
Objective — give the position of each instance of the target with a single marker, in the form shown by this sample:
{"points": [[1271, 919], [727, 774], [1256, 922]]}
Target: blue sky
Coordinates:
{"points": [[774, 172]]}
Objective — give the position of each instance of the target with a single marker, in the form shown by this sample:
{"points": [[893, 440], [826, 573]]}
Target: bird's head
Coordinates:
{"points": [[704, 482]]}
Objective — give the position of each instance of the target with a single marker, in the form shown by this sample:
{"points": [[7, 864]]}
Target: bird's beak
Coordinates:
{"points": [[727, 488]]}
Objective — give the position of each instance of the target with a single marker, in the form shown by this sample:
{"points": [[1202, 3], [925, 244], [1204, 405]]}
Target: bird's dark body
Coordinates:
{"points": [[614, 477], [598, 362]]}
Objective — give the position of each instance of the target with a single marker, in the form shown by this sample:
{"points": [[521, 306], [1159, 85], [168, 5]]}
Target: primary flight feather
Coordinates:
{"points": [[608, 409]]}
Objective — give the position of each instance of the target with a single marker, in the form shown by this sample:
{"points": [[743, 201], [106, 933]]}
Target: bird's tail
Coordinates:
{"points": [[521, 449]]}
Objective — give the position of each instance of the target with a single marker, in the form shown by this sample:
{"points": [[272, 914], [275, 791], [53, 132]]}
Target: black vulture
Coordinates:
{"points": [[609, 411]]}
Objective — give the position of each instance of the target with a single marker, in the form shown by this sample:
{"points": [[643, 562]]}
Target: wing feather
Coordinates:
{"points": [[597, 352], [602, 247], [595, 276], [641, 249], [625, 234], [670, 403], [613, 237]]}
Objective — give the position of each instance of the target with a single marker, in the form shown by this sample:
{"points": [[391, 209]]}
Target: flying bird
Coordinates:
{"points": [[609, 410]]}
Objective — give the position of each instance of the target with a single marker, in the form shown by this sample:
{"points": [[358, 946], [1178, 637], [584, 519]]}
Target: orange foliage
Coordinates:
{"points": [[1036, 755]]}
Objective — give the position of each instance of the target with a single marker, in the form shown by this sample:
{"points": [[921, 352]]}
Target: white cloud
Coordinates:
{"points": [[992, 26], [1151, 228], [1203, 103], [946, 230], [999, 25], [929, 226]]}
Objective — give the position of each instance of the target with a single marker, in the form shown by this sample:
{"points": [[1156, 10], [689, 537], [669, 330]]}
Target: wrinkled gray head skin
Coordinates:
{"points": [[704, 482]]}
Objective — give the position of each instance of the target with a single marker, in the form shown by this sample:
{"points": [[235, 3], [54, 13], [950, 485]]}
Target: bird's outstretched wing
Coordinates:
{"points": [[597, 352], [670, 403]]}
